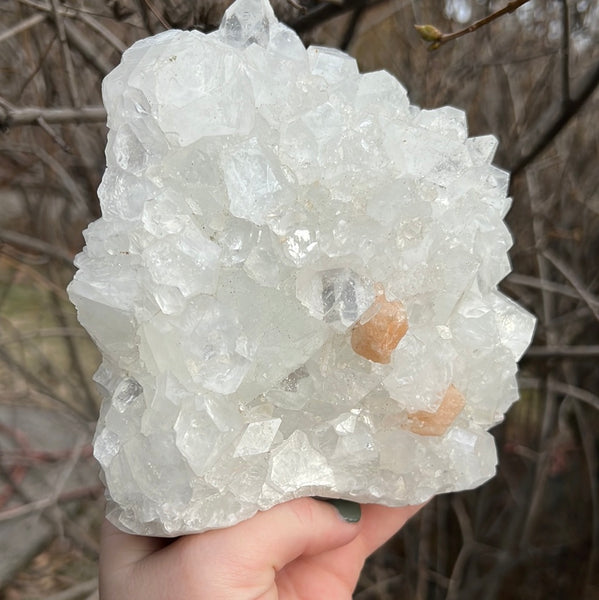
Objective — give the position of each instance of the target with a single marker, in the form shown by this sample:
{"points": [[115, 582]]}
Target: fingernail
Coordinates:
{"points": [[349, 511]]}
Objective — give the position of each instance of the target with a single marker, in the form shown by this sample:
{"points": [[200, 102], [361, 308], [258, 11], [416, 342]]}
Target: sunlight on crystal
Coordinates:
{"points": [[293, 283]]}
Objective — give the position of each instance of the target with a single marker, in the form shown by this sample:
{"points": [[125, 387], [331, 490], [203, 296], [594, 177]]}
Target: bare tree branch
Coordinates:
{"points": [[50, 332], [575, 392], [567, 114], [541, 284], [76, 591], [155, 12], [591, 301], [39, 385], [28, 115], [66, 55], [73, 353], [86, 48], [589, 444], [53, 135], [22, 26], [325, 12], [565, 51], [102, 31], [83, 16], [26, 241], [62, 175], [351, 28], [18, 512], [34, 274], [562, 352]]}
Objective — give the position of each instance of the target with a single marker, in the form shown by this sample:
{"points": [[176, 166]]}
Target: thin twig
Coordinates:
{"points": [[47, 332], [575, 392], [464, 553], [155, 12], [32, 21], [72, 351], [424, 559], [538, 211], [143, 10], [103, 31], [76, 591], [442, 504], [66, 55], [565, 52], [325, 12], [349, 33], [57, 139], [43, 55], [69, 467], [34, 457], [18, 512], [430, 33], [297, 6], [54, 165], [579, 314], [588, 438], [540, 284], [34, 274], [26, 241], [84, 16], [566, 115], [562, 352], [29, 115], [591, 301], [85, 47], [39, 385]]}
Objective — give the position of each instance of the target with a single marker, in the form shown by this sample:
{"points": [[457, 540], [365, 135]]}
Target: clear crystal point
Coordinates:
{"points": [[248, 22]]}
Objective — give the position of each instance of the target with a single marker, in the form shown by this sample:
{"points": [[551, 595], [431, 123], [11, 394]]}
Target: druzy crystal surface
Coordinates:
{"points": [[293, 283]]}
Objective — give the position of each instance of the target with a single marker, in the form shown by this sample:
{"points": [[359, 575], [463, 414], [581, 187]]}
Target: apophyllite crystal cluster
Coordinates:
{"points": [[293, 283]]}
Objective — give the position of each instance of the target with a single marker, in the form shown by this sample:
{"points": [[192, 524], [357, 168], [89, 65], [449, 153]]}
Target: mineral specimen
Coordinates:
{"points": [[293, 283]]}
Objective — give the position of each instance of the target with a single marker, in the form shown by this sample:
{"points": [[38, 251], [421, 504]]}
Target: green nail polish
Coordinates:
{"points": [[349, 511]]}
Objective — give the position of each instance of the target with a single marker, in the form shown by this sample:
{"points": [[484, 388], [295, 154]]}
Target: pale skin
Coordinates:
{"points": [[300, 550]]}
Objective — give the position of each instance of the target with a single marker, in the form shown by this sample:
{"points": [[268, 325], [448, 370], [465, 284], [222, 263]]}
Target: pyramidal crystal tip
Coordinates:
{"points": [[248, 22]]}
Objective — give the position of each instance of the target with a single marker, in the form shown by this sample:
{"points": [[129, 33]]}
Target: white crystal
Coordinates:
{"points": [[248, 22], [126, 393], [255, 183], [262, 205], [336, 296], [295, 465], [257, 438]]}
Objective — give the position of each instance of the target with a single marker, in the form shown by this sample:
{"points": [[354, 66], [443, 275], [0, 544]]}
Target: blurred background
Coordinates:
{"points": [[531, 78]]}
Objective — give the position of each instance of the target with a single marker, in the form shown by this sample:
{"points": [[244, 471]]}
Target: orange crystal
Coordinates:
{"points": [[436, 423], [379, 330]]}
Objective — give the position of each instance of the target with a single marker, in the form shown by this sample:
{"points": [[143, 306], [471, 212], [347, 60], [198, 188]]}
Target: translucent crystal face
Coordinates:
{"points": [[293, 283]]}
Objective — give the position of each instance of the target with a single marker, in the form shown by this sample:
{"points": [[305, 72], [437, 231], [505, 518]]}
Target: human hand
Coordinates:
{"points": [[299, 550]]}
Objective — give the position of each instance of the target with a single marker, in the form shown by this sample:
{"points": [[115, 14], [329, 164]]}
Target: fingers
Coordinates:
{"points": [[279, 535], [379, 523], [242, 561], [120, 554], [119, 550]]}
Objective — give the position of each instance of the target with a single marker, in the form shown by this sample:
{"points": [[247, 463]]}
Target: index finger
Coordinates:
{"points": [[119, 550]]}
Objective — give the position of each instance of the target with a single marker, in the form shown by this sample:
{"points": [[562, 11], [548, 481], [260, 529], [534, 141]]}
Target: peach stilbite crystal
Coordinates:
{"points": [[423, 422], [380, 329]]}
